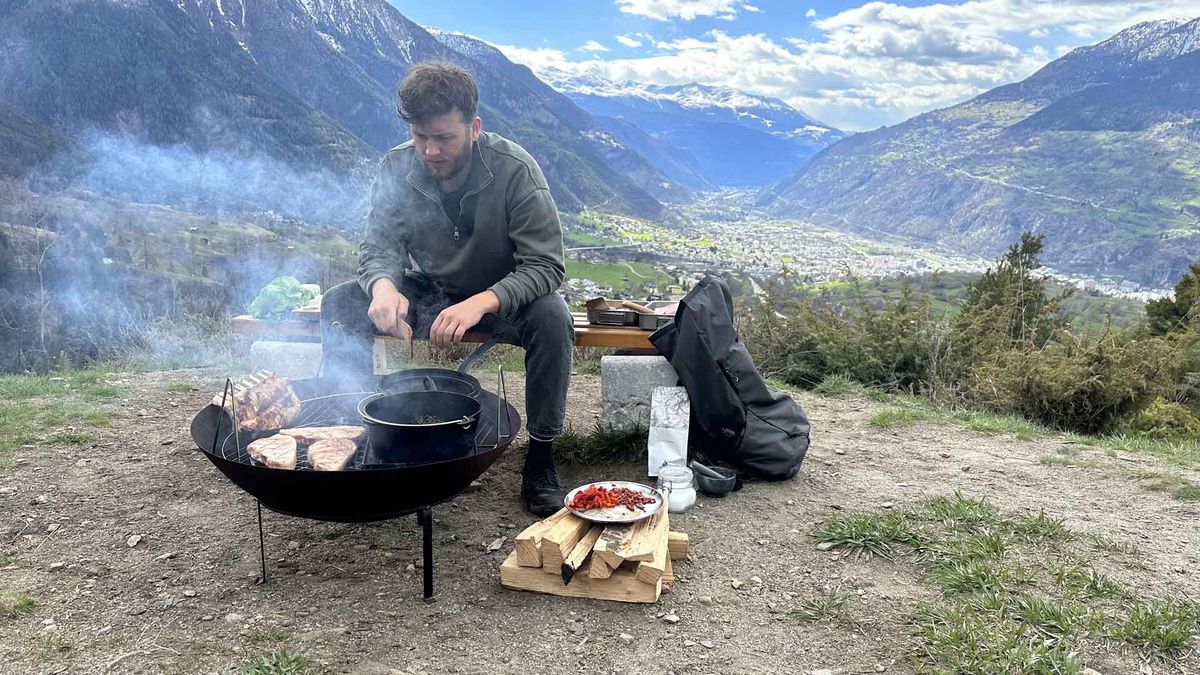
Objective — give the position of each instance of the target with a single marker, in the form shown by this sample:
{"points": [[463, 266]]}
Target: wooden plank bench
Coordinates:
{"points": [[304, 325]]}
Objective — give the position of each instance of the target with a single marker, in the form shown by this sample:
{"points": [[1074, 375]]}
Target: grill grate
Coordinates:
{"points": [[342, 409]]}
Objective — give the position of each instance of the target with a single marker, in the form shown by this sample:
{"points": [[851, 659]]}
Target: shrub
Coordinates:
{"points": [[802, 342], [1165, 420], [1084, 384]]}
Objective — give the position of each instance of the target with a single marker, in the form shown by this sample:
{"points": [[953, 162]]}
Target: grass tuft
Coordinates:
{"points": [[829, 607], [604, 444], [1163, 628], [15, 604], [837, 386], [869, 534], [960, 511], [899, 417], [282, 661], [72, 438], [1103, 543], [972, 576], [1039, 527], [1087, 581], [956, 639]]}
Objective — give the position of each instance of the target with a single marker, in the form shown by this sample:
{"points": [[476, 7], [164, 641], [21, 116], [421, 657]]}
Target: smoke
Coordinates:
{"points": [[108, 276], [217, 181]]}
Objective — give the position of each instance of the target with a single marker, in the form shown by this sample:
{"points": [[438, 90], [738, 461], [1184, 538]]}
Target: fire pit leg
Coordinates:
{"points": [[425, 517], [262, 546]]}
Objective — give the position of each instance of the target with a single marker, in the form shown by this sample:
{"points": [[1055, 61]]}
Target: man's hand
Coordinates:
{"points": [[389, 310], [454, 321]]}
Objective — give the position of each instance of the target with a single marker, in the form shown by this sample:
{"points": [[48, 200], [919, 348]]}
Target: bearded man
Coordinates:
{"points": [[462, 234]]}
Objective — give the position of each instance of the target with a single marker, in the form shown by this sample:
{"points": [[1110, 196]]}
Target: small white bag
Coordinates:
{"points": [[670, 414]]}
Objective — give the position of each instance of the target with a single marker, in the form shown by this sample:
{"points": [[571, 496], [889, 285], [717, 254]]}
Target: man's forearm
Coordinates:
{"points": [[384, 285], [487, 300]]}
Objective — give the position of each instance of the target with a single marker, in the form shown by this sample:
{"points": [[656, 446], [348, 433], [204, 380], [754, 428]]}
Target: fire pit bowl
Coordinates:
{"points": [[362, 492], [419, 427]]}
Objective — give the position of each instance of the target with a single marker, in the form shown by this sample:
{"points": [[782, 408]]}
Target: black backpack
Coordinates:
{"points": [[736, 420]]}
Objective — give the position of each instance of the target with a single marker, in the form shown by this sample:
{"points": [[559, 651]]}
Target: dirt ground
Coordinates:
{"points": [[183, 599]]}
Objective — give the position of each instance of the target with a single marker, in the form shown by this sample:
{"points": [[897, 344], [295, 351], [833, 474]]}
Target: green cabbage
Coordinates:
{"points": [[281, 296]]}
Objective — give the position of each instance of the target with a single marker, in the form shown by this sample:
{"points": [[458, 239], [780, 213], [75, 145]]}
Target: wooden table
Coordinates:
{"points": [[304, 326]]}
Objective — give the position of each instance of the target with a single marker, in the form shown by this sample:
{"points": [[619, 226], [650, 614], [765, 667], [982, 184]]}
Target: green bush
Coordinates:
{"points": [[803, 343], [1163, 419], [1084, 384]]}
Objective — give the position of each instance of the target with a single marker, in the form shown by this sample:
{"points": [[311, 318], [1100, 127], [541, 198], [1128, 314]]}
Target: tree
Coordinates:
{"points": [[1004, 308], [1168, 315]]}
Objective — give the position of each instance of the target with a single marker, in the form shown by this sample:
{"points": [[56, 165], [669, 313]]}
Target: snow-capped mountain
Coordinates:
{"points": [[736, 138]]}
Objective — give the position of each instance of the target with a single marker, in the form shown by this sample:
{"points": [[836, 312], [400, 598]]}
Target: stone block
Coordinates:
{"points": [[627, 384], [289, 359]]}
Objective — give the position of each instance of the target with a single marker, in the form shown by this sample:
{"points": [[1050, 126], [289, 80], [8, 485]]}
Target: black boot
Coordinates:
{"points": [[540, 490]]}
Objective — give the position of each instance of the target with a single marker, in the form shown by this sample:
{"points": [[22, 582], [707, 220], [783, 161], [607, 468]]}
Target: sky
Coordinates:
{"points": [[852, 65]]}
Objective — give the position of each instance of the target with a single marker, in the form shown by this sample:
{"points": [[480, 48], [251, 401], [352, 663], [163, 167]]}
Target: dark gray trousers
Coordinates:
{"points": [[544, 328]]}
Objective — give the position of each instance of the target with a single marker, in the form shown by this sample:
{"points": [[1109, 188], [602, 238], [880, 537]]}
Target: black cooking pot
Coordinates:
{"points": [[439, 379], [419, 427]]}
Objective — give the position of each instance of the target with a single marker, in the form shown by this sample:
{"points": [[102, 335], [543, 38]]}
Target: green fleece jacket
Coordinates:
{"points": [[515, 248]]}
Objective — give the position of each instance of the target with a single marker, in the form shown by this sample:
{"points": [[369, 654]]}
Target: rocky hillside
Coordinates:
{"points": [[1098, 150]]}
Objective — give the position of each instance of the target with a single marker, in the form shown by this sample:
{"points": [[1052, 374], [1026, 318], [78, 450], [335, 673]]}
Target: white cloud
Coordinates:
{"points": [[751, 8], [878, 63], [592, 46], [810, 13], [665, 10], [630, 42]]}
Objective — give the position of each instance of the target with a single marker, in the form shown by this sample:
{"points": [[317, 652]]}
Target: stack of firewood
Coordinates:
{"points": [[567, 555]]}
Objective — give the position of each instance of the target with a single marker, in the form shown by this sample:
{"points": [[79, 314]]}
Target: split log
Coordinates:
{"points": [[633, 542], [623, 586], [677, 544], [650, 571], [529, 542], [559, 539], [597, 568], [580, 552]]}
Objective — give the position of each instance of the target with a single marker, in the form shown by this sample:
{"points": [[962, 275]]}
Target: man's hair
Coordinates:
{"points": [[430, 90]]}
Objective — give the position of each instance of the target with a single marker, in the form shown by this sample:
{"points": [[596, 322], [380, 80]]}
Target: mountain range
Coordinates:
{"points": [[720, 136], [1098, 150]]}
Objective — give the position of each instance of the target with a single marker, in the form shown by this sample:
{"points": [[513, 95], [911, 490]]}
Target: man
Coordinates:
{"points": [[473, 211]]}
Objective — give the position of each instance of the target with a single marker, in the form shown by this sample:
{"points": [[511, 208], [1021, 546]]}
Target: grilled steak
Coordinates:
{"points": [[277, 452], [314, 434], [331, 454], [268, 403]]}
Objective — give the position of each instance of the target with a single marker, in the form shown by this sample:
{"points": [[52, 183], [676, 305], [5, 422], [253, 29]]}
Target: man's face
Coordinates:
{"points": [[444, 143]]}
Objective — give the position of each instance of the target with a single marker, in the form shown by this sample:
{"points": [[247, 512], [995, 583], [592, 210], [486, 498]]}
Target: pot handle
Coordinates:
{"points": [[479, 353], [362, 403], [428, 382]]}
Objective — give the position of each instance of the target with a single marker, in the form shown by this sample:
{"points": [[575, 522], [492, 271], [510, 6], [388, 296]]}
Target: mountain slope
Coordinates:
{"points": [[309, 83], [145, 70], [1098, 150], [732, 138], [25, 143]]}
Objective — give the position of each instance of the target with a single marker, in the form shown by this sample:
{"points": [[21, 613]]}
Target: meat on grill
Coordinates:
{"points": [[265, 402], [277, 452], [331, 454], [314, 434]]}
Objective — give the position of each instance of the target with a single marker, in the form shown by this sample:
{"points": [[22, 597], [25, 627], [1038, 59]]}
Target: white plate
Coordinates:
{"points": [[617, 514]]}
